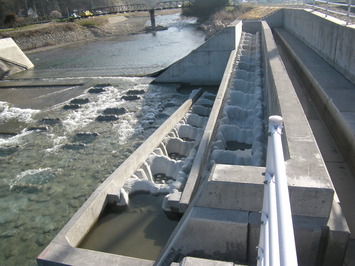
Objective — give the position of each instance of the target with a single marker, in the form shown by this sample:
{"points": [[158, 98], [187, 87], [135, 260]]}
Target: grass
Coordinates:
{"points": [[92, 22]]}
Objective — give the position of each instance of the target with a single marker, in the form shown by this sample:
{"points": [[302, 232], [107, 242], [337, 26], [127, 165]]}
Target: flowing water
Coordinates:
{"points": [[51, 167]]}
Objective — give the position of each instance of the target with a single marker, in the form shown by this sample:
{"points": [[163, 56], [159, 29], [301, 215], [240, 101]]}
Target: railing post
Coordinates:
{"points": [[327, 10], [348, 13]]}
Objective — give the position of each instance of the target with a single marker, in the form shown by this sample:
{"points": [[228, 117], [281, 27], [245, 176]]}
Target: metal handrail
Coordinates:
{"points": [[328, 3], [277, 240]]}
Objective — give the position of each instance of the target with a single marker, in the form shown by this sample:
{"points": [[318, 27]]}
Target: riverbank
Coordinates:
{"points": [[56, 34]]}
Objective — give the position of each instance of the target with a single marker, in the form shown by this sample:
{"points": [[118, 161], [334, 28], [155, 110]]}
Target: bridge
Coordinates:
{"points": [[143, 7]]}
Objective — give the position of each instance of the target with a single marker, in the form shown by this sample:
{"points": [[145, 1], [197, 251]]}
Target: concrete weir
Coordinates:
{"points": [[208, 159]]}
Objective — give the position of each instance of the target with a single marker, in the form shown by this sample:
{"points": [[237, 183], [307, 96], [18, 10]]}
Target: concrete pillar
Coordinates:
{"points": [[152, 18]]}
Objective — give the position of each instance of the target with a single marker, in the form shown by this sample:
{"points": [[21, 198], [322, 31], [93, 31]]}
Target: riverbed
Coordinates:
{"points": [[63, 153]]}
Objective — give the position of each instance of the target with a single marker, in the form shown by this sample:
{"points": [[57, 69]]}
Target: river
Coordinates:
{"points": [[52, 166]]}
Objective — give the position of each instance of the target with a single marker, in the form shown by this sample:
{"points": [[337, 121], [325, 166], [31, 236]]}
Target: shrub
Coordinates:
{"points": [[11, 20], [55, 14]]}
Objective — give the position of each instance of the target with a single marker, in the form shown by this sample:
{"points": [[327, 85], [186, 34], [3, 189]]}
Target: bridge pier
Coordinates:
{"points": [[152, 18]]}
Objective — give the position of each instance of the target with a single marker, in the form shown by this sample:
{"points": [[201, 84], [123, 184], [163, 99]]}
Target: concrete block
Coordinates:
{"points": [[188, 132], [308, 237], [337, 237], [234, 187], [171, 202], [176, 145], [253, 236], [201, 110], [195, 120], [213, 234]]}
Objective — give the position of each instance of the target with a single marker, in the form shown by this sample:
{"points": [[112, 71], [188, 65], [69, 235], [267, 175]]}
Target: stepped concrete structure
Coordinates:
{"points": [[219, 190]]}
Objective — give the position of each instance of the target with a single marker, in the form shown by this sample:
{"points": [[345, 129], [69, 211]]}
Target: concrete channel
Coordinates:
{"points": [[208, 159]]}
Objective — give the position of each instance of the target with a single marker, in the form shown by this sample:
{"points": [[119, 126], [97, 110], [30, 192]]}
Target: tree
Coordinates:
{"points": [[203, 9]]}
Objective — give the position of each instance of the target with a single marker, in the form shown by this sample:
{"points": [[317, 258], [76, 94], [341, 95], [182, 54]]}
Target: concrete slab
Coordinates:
{"points": [[234, 187]]}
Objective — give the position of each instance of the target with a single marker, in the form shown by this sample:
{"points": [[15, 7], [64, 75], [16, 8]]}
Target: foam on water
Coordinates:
{"points": [[126, 128], [13, 113], [34, 177], [88, 112], [14, 140]]}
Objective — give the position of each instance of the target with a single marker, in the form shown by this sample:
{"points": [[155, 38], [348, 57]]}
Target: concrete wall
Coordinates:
{"points": [[206, 64], [12, 59], [332, 41]]}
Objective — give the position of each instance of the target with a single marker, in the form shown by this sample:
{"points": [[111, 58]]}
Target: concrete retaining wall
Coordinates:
{"points": [[12, 59], [330, 40], [206, 64]]}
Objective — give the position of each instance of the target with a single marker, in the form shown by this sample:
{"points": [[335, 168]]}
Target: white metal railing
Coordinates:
{"points": [[328, 8], [277, 242]]}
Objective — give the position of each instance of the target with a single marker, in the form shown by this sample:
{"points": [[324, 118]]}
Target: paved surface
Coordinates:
{"points": [[339, 171]]}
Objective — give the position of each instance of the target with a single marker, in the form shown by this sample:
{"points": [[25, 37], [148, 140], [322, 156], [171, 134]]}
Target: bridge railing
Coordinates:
{"points": [[277, 241]]}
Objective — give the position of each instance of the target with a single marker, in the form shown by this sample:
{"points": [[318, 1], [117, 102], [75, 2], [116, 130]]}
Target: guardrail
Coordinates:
{"points": [[277, 241], [328, 8]]}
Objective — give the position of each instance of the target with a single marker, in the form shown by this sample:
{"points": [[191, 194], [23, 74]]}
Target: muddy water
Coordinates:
{"points": [[129, 232]]}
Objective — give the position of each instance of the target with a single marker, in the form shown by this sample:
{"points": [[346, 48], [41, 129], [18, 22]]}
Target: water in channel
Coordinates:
{"points": [[51, 167]]}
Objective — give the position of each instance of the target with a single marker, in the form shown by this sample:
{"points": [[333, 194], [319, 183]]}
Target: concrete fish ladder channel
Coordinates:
{"points": [[241, 138], [166, 169]]}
